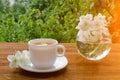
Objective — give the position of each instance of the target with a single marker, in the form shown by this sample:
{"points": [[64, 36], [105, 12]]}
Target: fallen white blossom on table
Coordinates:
{"points": [[19, 57]]}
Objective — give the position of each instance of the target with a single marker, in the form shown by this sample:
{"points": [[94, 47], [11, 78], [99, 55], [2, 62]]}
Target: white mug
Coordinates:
{"points": [[44, 51]]}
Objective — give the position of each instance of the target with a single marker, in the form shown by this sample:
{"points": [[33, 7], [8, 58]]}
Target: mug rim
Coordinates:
{"points": [[55, 42]]}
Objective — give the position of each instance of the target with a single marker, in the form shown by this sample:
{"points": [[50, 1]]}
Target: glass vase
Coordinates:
{"points": [[93, 50]]}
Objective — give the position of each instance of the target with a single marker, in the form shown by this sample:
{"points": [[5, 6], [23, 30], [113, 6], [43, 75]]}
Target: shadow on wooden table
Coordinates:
{"points": [[42, 75]]}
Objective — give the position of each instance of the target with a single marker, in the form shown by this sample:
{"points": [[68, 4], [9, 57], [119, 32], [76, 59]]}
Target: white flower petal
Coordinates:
{"points": [[89, 17], [81, 36], [25, 57], [25, 51], [11, 58], [18, 55], [13, 65]]}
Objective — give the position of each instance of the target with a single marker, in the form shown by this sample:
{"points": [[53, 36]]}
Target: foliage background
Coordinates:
{"points": [[29, 19]]}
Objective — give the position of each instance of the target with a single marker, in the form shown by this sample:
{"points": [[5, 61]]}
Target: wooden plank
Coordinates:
{"points": [[77, 69]]}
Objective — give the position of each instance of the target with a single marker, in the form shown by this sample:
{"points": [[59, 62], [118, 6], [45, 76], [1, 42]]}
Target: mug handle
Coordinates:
{"points": [[63, 50]]}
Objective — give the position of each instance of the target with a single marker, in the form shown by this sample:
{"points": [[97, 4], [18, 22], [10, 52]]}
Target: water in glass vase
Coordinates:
{"points": [[93, 51]]}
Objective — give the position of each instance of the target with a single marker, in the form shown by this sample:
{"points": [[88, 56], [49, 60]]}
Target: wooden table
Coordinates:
{"points": [[77, 69]]}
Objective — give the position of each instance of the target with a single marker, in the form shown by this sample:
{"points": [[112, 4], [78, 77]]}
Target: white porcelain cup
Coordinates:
{"points": [[44, 51]]}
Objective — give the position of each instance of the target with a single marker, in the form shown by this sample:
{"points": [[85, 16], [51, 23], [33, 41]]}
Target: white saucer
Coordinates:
{"points": [[60, 63]]}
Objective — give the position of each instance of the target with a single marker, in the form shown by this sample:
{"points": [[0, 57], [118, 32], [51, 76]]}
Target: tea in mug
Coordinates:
{"points": [[42, 43]]}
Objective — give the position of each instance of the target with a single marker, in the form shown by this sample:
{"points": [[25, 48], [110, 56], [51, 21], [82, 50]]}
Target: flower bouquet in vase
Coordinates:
{"points": [[93, 38]]}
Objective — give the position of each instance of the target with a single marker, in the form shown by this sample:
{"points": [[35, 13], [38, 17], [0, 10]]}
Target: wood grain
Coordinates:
{"points": [[77, 69]]}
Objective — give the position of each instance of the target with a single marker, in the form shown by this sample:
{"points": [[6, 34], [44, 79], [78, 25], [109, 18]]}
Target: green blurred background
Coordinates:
{"points": [[23, 20]]}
